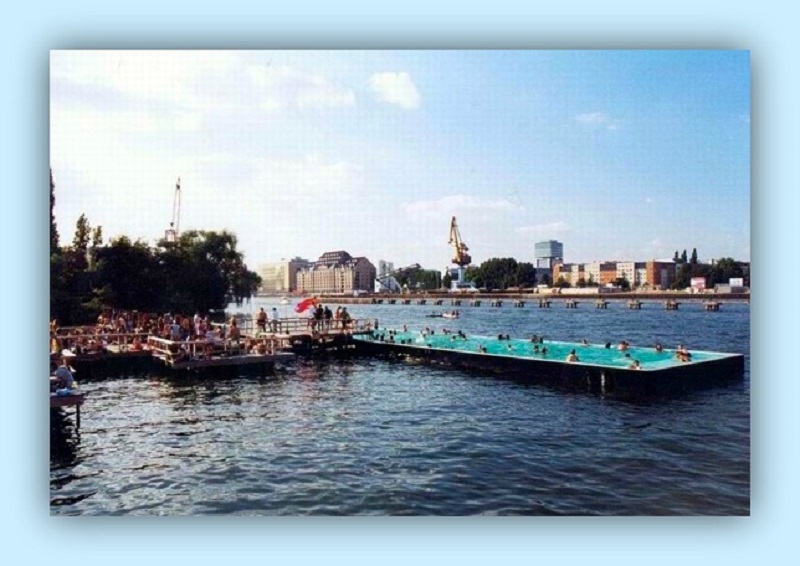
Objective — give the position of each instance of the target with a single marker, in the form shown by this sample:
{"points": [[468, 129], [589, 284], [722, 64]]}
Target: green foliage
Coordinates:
{"points": [[53, 230], [77, 255], [427, 279], [204, 271], [623, 283], [562, 283], [447, 280], [502, 273]]}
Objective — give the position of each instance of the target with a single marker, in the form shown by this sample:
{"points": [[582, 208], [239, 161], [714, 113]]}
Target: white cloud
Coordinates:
{"points": [[597, 119], [395, 88], [543, 230], [286, 87], [455, 205]]}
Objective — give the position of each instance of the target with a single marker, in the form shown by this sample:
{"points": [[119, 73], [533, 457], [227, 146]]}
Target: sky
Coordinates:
{"points": [[620, 155]]}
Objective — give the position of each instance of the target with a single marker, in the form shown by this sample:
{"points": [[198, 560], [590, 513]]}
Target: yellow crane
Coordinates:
{"points": [[460, 256]]}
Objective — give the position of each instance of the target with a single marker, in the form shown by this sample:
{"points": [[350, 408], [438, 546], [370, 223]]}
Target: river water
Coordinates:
{"points": [[372, 437]]}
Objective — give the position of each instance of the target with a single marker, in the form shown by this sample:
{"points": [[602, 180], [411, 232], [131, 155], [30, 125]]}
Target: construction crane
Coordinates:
{"points": [[460, 256], [171, 235]]}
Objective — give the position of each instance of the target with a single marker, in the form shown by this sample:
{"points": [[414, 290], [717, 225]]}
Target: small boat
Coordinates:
{"points": [[453, 314], [435, 315], [285, 301]]}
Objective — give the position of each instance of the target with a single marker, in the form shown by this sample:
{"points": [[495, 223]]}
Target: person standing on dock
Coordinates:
{"points": [[328, 317], [273, 321], [261, 320], [345, 318]]}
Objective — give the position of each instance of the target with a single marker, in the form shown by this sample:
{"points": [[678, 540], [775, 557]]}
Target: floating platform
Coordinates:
{"points": [[599, 369], [200, 354], [74, 399]]}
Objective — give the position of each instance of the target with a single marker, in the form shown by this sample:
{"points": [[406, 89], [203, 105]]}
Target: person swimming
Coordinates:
{"points": [[572, 357]]}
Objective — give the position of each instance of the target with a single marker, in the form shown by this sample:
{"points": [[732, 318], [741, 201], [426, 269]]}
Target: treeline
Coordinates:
{"points": [[428, 279], [502, 273], [719, 271], [201, 271]]}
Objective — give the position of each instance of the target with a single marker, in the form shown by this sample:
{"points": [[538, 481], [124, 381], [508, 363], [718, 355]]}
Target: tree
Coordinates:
{"points": [[684, 258], [128, 276], [80, 245], [502, 273], [53, 230], [205, 270], [693, 261], [723, 270], [623, 283], [561, 283], [526, 275], [447, 280]]}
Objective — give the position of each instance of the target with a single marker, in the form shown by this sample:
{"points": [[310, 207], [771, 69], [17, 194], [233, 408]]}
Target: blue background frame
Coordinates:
{"points": [[31, 30]]}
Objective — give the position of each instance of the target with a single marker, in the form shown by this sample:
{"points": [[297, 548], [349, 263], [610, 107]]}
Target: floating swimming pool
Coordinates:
{"points": [[588, 354], [608, 369]]}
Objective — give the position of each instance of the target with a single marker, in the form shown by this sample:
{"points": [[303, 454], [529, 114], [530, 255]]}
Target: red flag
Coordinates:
{"points": [[304, 304]]}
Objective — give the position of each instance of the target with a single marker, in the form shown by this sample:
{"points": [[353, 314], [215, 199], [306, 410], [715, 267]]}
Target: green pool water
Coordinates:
{"points": [[591, 354]]}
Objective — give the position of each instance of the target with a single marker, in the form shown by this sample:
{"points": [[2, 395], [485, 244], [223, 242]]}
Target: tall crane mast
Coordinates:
{"points": [[460, 256], [171, 235]]}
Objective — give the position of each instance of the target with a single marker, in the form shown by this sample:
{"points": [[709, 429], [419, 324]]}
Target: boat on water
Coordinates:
{"points": [[454, 314], [285, 301]]}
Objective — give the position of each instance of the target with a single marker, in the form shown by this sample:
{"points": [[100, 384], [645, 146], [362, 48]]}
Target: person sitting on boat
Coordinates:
{"points": [[659, 348], [64, 377], [572, 357], [635, 365], [622, 346]]}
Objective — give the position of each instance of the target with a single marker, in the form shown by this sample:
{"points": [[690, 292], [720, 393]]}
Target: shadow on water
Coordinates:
{"points": [[65, 439]]}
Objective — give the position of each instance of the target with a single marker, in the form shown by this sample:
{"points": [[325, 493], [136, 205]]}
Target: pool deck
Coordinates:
{"points": [[716, 369]]}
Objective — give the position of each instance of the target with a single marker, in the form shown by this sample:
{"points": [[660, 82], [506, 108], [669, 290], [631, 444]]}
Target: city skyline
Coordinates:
{"points": [[625, 155]]}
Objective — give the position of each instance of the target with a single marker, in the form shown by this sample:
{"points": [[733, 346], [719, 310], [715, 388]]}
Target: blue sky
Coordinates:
{"points": [[626, 155]]}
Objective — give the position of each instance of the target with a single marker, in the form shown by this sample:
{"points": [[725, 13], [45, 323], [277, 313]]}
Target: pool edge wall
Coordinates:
{"points": [[575, 376]]}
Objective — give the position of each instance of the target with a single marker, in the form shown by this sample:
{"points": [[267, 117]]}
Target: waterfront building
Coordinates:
{"points": [[601, 272], [548, 253], [660, 273], [635, 272], [337, 272], [281, 276]]}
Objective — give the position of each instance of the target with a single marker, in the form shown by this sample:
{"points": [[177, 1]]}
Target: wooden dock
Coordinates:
{"points": [[74, 399], [200, 354]]}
